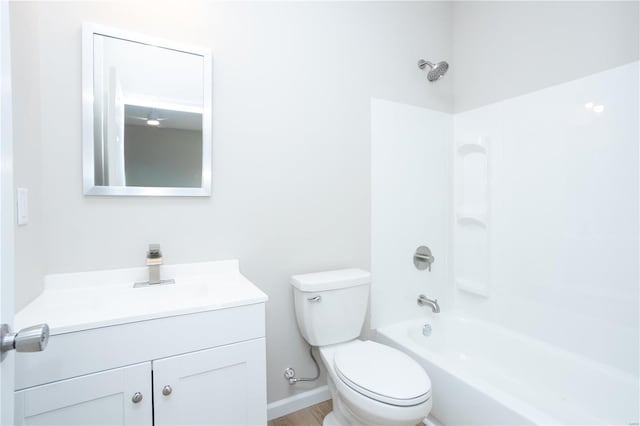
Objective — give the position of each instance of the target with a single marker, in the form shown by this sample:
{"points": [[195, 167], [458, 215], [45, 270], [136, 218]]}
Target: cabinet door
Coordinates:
{"points": [[221, 386], [104, 398]]}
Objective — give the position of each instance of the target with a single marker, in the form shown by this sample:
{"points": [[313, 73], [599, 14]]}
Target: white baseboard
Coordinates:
{"points": [[297, 402]]}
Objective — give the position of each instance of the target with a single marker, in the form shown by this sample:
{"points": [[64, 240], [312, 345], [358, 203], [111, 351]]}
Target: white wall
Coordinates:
{"points": [[29, 241], [509, 48], [409, 207], [564, 215], [291, 141]]}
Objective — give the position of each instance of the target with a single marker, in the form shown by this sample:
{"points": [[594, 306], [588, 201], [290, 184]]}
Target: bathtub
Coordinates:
{"points": [[483, 374]]}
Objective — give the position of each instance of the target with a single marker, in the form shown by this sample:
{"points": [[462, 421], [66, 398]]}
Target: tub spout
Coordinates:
{"points": [[425, 301]]}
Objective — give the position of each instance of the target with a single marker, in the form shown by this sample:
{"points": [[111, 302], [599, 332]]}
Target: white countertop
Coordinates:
{"points": [[85, 300]]}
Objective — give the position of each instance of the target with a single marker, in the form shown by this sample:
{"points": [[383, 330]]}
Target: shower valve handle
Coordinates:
{"points": [[422, 258]]}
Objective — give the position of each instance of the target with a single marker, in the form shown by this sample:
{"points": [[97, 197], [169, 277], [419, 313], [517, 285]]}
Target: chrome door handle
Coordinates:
{"points": [[166, 391], [137, 397], [30, 339]]}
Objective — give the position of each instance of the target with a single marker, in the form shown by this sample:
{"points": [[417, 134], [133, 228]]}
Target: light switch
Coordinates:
{"points": [[23, 206]]}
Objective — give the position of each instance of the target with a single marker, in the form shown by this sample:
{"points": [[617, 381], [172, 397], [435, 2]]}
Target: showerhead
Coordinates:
{"points": [[435, 70]]}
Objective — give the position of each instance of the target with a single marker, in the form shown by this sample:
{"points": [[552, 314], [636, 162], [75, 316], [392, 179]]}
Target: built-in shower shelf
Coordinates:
{"points": [[471, 218], [471, 147], [473, 287]]}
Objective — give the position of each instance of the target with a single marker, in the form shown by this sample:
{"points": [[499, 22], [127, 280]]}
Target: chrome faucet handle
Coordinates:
{"points": [[154, 251], [422, 258], [154, 255]]}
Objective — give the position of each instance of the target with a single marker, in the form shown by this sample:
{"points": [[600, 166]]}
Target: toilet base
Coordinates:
{"points": [[330, 420], [361, 411]]}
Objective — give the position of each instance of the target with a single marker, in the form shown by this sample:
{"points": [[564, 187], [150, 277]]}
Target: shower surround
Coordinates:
{"points": [[555, 249]]}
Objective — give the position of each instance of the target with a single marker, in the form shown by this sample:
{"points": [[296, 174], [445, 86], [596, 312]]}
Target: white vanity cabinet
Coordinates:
{"points": [[212, 387], [194, 353], [104, 398]]}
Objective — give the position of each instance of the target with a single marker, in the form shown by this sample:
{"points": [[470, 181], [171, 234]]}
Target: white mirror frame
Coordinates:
{"points": [[88, 166]]}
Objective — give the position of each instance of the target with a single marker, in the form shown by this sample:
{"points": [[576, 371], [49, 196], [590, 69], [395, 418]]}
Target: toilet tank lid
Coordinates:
{"points": [[331, 280]]}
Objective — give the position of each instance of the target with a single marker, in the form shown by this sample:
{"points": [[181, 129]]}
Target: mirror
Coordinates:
{"points": [[146, 116]]}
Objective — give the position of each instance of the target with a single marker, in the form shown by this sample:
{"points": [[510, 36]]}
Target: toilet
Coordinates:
{"points": [[370, 383]]}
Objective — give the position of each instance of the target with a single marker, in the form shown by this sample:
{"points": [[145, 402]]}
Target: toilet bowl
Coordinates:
{"points": [[376, 384], [370, 383]]}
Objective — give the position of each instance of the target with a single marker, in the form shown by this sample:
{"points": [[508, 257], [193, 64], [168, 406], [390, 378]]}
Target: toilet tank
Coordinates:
{"points": [[331, 306]]}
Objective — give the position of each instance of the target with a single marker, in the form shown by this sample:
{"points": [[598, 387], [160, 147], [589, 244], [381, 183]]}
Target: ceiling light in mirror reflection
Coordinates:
{"points": [[136, 115], [159, 104]]}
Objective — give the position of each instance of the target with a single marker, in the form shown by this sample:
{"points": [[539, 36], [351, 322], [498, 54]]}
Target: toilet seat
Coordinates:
{"points": [[382, 373]]}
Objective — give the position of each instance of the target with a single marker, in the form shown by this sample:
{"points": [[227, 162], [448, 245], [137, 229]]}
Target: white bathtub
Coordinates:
{"points": [[483, 374]]}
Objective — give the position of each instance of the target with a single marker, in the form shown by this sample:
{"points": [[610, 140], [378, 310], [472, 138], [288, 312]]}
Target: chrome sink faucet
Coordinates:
{"points": [[425, 301], [154, 260]]}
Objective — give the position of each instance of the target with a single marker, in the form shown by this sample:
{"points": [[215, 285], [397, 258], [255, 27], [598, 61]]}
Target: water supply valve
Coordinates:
{"points": [[290, 374]]}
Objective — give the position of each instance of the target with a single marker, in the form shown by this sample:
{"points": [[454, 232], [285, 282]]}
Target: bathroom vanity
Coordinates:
{"points": [[192, 352]]}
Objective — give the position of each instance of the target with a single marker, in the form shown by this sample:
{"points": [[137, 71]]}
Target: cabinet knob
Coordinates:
{"points": [[137, 397], [167, 390]]}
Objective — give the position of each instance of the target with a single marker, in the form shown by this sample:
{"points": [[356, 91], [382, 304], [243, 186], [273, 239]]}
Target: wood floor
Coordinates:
{"points": [[310, 416]]}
